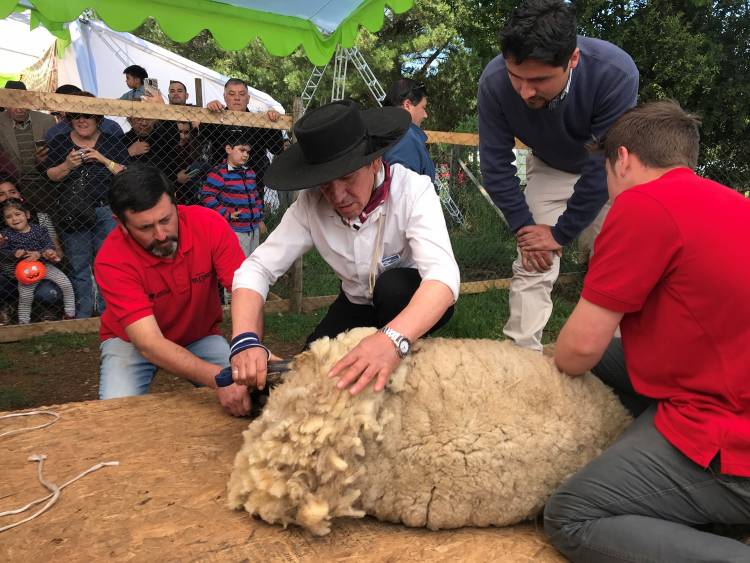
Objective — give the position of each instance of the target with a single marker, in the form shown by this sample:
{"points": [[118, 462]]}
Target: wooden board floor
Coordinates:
{"points": [[166, 501]]}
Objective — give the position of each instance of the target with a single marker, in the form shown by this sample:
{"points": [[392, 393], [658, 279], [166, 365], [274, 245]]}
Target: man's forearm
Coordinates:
{"points": [[181, 362], [426, 307], [584, 338], [247, 312]]}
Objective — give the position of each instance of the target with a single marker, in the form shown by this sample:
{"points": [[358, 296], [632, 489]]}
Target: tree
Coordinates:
{"points": [[694, 51]]}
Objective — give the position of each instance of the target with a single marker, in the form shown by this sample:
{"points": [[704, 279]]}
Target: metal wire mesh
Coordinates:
{"points": [[57, 164], [59, 156]]}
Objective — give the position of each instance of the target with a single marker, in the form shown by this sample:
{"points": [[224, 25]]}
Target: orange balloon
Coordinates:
{"points": [[29, 272]]}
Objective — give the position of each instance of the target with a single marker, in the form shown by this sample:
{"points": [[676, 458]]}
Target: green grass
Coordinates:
{"points": [[480, 315], [60, 343], [288, 327], [483, 315]]}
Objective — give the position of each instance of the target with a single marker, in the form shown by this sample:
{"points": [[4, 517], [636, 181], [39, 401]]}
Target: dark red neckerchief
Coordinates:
{"points": [[378, 196]]}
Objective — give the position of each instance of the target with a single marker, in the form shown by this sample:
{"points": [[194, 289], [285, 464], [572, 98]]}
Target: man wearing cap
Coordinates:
{"points": [[22, 133], [378, 226]]}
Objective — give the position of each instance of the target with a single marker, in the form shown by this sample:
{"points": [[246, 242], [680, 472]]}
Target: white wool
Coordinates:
{"points": [[467, 433]]}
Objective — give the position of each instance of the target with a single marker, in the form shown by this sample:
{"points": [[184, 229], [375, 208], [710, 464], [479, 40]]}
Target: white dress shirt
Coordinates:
{"points": [[413, 235]]}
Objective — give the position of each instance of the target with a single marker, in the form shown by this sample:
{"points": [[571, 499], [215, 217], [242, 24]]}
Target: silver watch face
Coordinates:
{"points": [[404, 347]]}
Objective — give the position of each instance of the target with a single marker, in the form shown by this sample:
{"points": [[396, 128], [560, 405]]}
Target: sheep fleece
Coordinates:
{"points": [[467, 433]]}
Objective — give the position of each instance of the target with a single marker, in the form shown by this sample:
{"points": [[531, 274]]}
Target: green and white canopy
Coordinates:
{"points": [[282, 25]]}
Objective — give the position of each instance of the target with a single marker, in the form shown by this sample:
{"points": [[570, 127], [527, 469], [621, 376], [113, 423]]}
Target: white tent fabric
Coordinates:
{"points": [[19, 46], [97, 56]]}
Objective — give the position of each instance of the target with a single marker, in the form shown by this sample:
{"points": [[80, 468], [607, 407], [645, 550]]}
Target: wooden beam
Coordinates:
{"points": [[467, 139], [46, 101], [14, 333]]}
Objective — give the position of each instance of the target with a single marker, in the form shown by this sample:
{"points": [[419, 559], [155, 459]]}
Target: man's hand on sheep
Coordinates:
{"points": [[374, 357], [235, 399]]}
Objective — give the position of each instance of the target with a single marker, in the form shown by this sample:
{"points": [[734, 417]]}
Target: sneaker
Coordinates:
{"points": [[67, 317]]}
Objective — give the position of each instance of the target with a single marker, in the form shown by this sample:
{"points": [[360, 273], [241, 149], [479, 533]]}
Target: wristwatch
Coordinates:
{"points": [[402, 344]]}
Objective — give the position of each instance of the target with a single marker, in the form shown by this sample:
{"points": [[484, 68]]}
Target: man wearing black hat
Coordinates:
{"points": [[378, 226], [21, 137]]}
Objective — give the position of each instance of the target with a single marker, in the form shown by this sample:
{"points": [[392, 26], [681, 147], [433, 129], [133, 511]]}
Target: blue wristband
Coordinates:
{"points": [[244, 341], [244, 338]]}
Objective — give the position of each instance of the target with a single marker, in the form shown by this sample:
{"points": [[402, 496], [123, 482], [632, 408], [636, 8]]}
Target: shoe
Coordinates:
{"points": [[47, 315], [66, 317]]}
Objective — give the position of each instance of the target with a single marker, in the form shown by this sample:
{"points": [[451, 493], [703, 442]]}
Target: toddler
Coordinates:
{"points": [[28, 241]]}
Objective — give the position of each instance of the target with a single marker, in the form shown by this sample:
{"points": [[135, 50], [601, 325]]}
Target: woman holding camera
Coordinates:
{"points": [[83, 163]]}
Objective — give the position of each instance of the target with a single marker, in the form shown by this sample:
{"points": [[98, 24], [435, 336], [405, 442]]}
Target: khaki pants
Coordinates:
{"points": [[547, 193]]}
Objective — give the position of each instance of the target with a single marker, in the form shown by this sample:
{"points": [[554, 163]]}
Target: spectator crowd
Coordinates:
{"points": [[56, 170]]}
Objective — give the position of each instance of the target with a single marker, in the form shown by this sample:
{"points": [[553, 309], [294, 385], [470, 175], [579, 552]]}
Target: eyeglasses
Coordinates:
{"points": [[74, 116]]}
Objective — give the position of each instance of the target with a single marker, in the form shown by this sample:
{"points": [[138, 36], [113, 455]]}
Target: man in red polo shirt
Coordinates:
{"points": [[671, 267], [158, 273]]}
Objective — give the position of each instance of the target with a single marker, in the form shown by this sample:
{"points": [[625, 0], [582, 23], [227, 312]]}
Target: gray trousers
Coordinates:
{"points": [[640, 500], [248, 241]]}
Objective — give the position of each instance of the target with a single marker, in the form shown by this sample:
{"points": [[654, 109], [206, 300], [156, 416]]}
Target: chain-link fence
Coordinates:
{"points": [[58, 158]]}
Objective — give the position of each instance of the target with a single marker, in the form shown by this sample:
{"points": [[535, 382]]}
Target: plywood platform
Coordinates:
{"points": [[167, 499]]}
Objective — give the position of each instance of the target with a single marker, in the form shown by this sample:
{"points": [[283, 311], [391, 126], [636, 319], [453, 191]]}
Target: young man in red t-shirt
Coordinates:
{"points": [[158, 272], [671, 267]]}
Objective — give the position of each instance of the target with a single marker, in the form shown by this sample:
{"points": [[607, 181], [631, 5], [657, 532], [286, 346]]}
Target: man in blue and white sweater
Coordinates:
{"points": [[554, 91]]}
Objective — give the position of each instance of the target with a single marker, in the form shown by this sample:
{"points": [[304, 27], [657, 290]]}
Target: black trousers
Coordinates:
{"points": [[393, 291]]}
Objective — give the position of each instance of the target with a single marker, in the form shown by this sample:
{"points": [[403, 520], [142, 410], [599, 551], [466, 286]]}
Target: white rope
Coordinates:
{"points": [[55, 491], [30, 428]]}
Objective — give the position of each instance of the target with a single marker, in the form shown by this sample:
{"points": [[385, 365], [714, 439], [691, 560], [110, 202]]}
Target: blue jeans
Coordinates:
{"points": [[124, 372], [81, 248], [642, 498]]}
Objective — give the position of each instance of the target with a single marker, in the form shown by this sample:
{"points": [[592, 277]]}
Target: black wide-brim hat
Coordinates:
{"points": [[335, 140]]}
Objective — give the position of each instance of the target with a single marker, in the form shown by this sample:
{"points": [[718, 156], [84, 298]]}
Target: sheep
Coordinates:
{"points": [[467, 433]]}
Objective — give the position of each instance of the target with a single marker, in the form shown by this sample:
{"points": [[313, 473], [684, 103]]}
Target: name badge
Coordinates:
{"points": [[389, 261]]}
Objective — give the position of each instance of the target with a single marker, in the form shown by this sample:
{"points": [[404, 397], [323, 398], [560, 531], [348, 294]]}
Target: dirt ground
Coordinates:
{"points": [[65, 368], [166, 500]]}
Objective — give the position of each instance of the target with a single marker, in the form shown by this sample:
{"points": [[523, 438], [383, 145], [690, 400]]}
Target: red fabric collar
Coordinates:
{"points": [[379, 195]]}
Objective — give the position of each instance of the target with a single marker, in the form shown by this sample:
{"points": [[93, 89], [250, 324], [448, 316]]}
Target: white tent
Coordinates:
{"points": [[97, 56]]}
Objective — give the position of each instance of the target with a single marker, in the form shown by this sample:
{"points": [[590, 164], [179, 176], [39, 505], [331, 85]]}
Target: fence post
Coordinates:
{"points": [[295, 299], [199, 92]]}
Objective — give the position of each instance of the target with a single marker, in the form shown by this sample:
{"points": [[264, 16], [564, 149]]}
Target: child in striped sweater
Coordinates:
{"points": [[230, 189]]}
